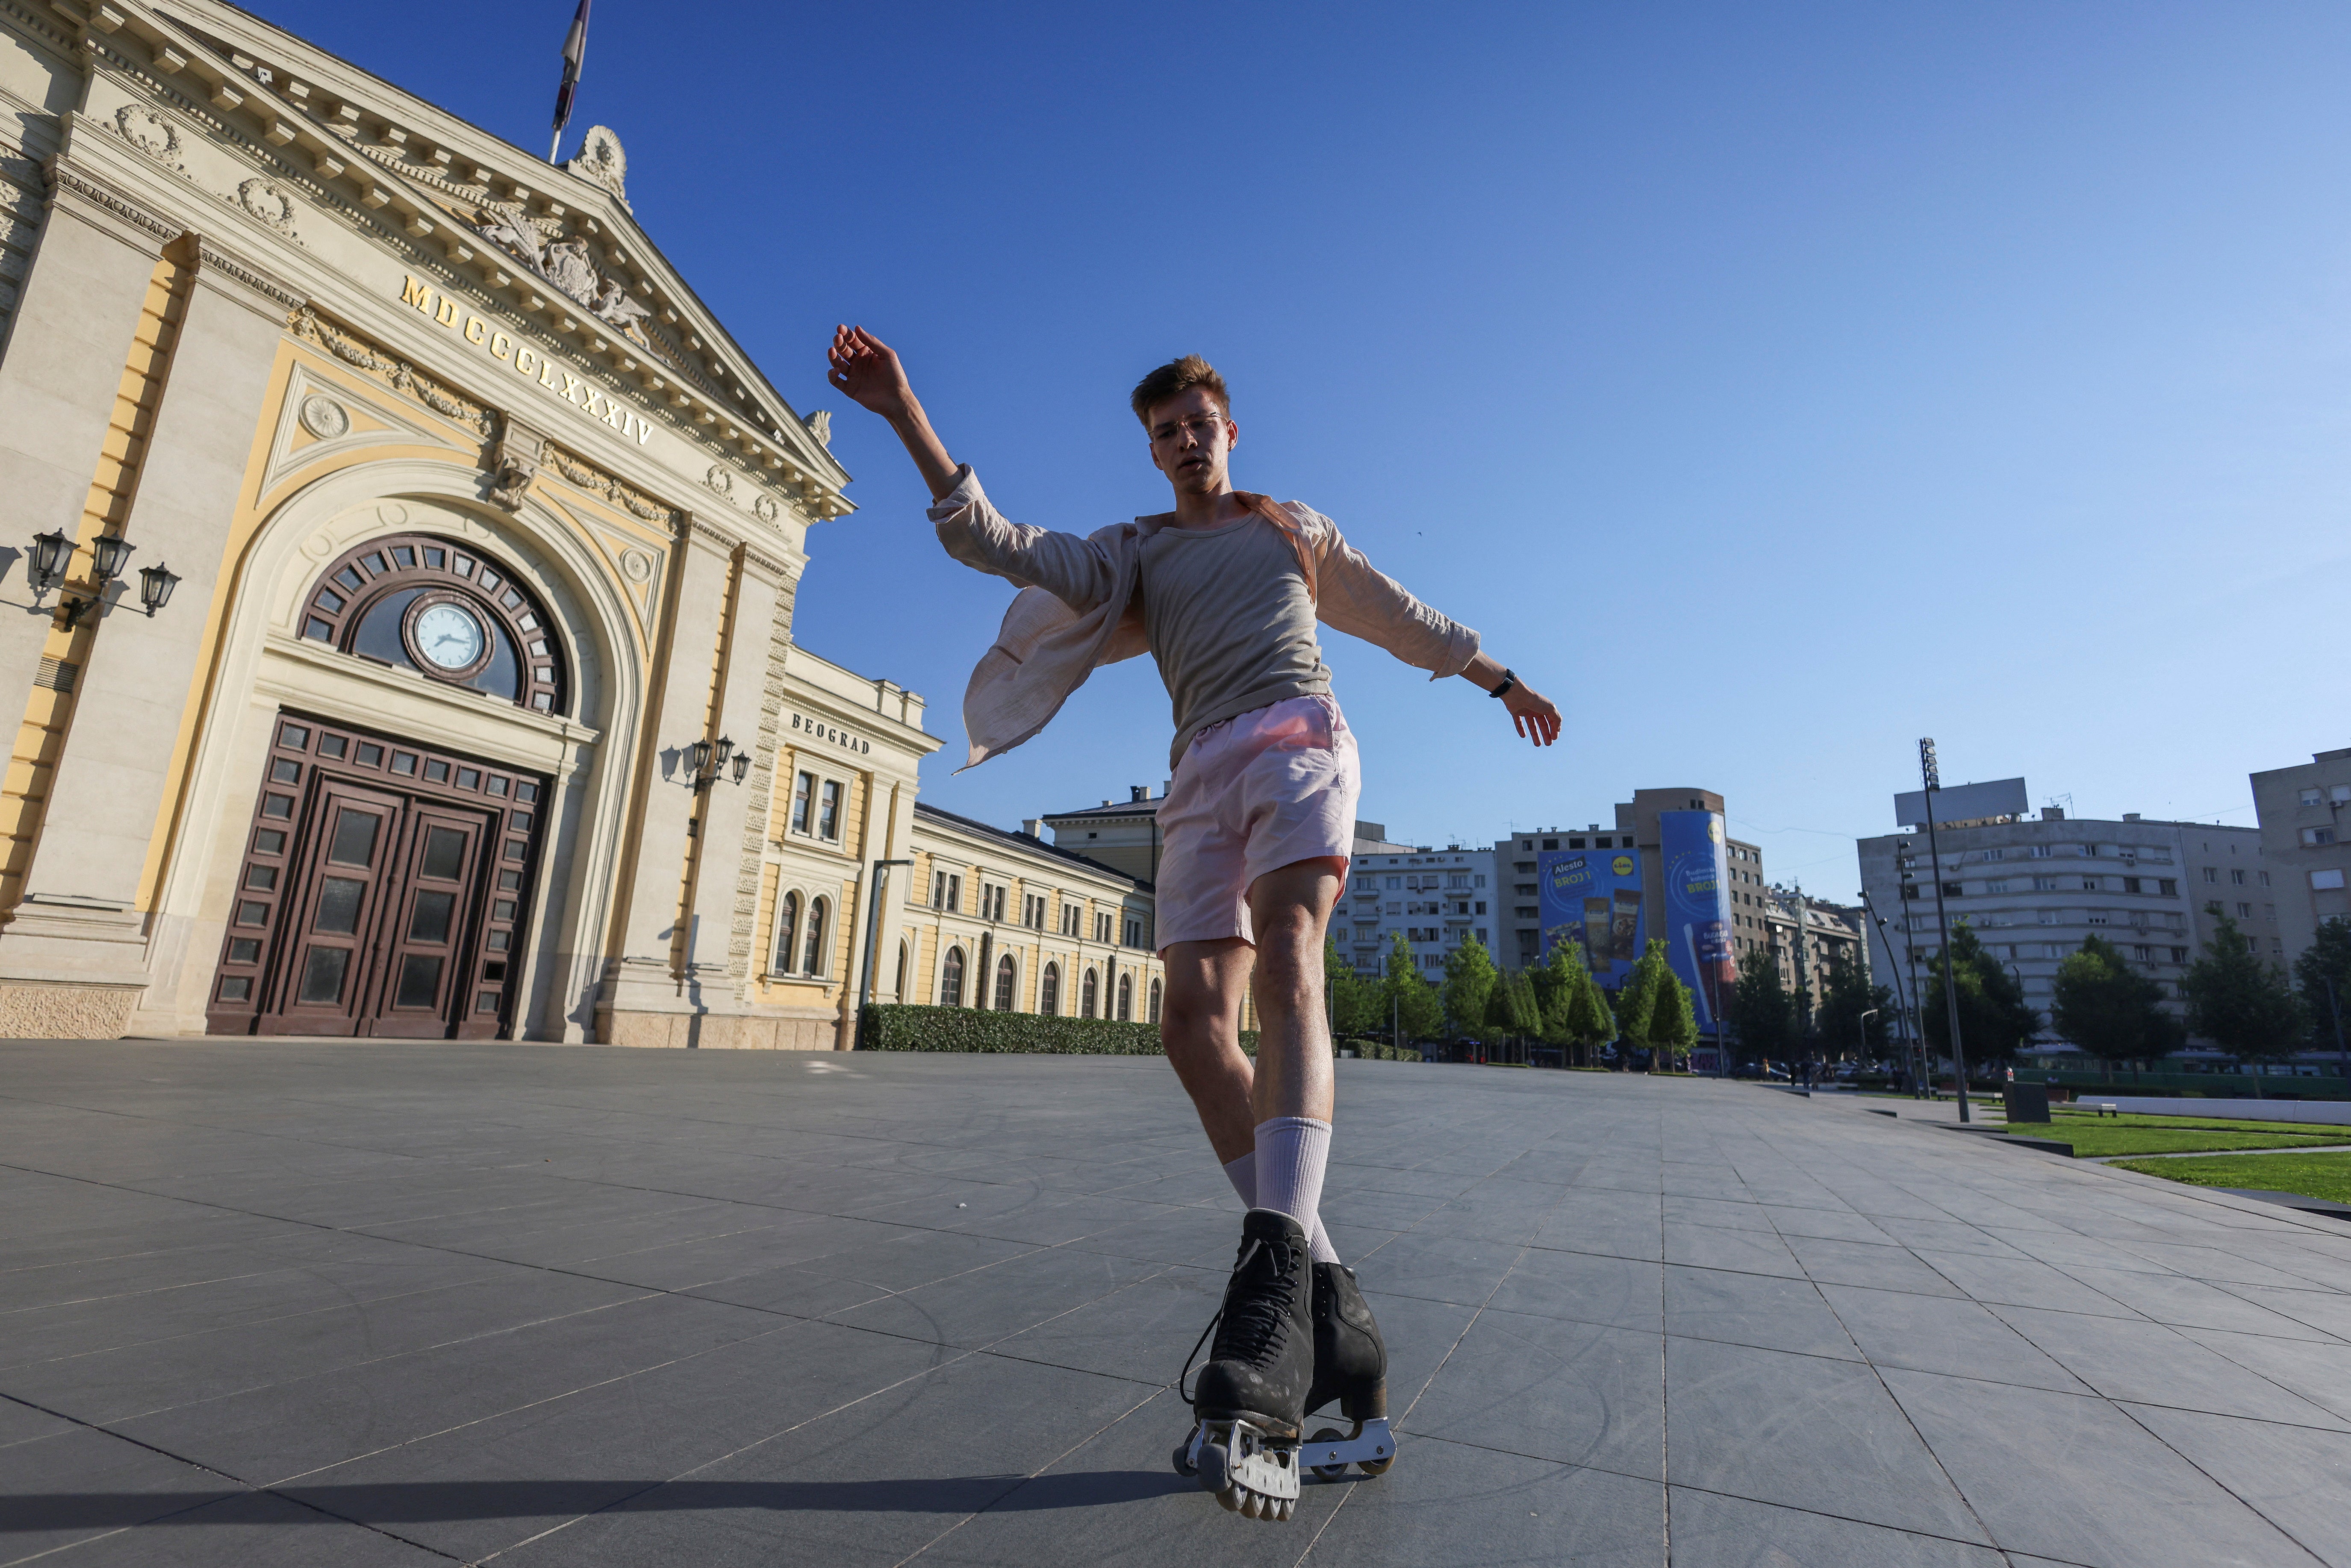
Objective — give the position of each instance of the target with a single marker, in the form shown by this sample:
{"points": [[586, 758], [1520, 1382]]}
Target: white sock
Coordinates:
{"points": [[1287, 1175], [1242, 1174]]}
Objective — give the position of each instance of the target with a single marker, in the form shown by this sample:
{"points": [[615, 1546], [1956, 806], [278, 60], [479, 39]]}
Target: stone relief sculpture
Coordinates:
{"points": [[819, 425], [601, 162], [569, 267]]}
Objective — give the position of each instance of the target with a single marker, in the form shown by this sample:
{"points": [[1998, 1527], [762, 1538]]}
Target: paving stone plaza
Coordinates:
{"points": [[270, 1303]]}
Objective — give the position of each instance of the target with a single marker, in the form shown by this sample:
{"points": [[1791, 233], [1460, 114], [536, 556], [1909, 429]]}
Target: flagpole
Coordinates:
{"points": [[575, 53]]}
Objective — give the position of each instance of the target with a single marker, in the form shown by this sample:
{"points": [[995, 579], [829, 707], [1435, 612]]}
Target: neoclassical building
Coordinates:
{"points": [[398, 583]]}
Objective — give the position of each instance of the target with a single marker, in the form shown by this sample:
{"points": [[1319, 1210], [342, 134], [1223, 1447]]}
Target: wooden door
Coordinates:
{"points": [[345, 870], [427, 931]]}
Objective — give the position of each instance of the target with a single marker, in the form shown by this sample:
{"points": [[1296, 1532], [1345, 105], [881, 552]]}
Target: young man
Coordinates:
{"points": [[1256, 829]]}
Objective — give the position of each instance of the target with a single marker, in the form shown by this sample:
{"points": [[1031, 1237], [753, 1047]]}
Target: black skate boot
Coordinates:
{"points": [[1351, 1366], [1251, 1394]]}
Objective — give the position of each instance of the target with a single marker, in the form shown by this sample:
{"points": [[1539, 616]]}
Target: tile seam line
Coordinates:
{"points": [[722, 1458], [238, 1487], [1031, 1476]]}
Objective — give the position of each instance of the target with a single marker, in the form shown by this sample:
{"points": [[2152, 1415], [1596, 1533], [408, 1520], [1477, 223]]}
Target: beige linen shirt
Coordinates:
{"points": [[1077, 607]]}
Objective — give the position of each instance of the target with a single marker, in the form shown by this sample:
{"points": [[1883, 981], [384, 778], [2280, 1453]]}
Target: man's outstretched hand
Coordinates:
{"points": [[867, 368], [1532, 712]]}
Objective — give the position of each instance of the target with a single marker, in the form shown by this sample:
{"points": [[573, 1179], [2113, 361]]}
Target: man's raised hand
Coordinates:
{"points": [[1533, 714], [867, 369]]}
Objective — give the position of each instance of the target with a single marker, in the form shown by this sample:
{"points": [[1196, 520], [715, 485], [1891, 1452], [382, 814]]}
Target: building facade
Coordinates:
{"points": [[1517, 858], [2033, 888], [2305, 850], [1007, 922], [1436, 899], [1808, 937], [468, 704]]}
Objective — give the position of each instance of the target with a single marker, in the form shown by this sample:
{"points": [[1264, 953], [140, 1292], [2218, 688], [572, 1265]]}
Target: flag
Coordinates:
{"points": [[575, 50]]}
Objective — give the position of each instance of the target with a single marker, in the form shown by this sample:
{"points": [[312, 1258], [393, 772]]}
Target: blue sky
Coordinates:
{"points": [[1770, 386]]}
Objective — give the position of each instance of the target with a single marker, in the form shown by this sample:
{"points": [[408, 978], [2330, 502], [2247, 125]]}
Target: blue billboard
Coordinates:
{"points": [[1698, 909], [1592, 898]]}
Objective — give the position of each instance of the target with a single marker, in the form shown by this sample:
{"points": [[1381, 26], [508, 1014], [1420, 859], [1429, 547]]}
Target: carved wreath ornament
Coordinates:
{"points": [[270, 202], [149, 133]]}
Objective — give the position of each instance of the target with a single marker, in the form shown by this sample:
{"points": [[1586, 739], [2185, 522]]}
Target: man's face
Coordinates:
{"points": [[1192, 442]]}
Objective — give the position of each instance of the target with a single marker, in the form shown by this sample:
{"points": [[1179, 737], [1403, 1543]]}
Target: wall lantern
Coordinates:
{"points": [[108, 554], [155, 585], [706, 759], [52, 553]]}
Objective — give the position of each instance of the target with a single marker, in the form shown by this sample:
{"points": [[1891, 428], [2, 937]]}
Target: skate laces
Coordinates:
{"points": [[1256, 1322]]}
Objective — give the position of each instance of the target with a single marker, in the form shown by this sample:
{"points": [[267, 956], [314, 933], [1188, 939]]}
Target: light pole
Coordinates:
{"points": [[874, 935], [1912, 1061], [1863, 1044], [1932, 777]]}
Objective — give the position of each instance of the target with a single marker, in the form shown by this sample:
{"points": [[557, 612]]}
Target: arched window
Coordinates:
{"points": [[812, 955], [1126, 998], [900, 992], [439, 607], [1048, 990], [787, 926], [1088, 994], [1155, 1001], [951, 979], [1007, 981]]}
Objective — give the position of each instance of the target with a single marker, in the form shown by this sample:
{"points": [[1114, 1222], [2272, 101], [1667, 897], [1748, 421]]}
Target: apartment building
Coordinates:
{"points": [[2033, 888], [2305, 848], [1437, 898], [1635, 827]]}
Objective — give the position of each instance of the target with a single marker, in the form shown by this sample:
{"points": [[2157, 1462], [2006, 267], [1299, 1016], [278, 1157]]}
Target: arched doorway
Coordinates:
{"points": [[1007, 985], [384, 882], [1048, 990]]}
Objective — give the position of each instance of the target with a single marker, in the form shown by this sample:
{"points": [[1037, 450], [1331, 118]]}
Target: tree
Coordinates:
{"points": [[1854, 1014], [1353, 1004], [2104, 1008], [2241, 1004], [1643, 993], [1576, 1012], [1407, 1002], [1760, 1012], [1994, 1021], [1469, 976], [1673, 1021], [1511, 1009], [2326, 960]]}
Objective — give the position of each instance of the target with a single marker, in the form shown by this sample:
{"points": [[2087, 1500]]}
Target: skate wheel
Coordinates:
{"points": [[1329, 1435], [1182, 1460], [1253, 1504], [1288, 1506], [1215, 1472], [1377, 1466], [1229, 1499]]}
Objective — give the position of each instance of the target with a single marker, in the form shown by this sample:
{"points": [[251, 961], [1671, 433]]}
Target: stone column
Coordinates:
{"points": [[65, 356], [77, 921], [644, 1002]]}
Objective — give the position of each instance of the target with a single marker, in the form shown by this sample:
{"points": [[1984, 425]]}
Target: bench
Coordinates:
{"points": [[2102, 1107]]}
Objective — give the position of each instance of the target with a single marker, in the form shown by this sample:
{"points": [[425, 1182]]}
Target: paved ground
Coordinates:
{"points": [[382, 1304]]}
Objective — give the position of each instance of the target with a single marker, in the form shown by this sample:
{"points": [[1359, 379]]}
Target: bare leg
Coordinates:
{"points": [[1200, 1025], [1290, 908]]}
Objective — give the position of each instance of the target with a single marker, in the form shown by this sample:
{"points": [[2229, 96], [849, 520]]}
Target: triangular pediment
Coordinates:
{"points": [[556, 245]]}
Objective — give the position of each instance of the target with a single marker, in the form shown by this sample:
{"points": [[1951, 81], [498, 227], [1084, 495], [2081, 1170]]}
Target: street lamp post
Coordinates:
{"points": [[1901, 1006], [1932, 777], [1863, 1044]]}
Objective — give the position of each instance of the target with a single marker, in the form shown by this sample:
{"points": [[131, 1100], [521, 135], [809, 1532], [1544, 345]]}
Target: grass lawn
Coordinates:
{"points": [[2094, 1136], [2312, 1176]]}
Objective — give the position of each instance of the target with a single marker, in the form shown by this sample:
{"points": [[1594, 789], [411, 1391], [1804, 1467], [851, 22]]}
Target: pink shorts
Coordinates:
{"points": [[1276, 785]]}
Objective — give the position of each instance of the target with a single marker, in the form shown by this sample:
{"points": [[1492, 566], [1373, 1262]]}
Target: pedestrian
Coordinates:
{"points": [[1258, 824]]}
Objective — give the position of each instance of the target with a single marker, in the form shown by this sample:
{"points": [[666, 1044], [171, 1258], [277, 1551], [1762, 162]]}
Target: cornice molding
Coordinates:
{"points": [[269, 289], [69, 181]]}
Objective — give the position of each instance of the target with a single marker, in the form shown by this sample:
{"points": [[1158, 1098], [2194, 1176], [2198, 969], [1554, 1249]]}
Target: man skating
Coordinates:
{"points": [[1225, 592]]}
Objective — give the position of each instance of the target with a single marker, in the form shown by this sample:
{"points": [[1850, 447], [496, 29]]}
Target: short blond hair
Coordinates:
{"points": [[1174, 378]]}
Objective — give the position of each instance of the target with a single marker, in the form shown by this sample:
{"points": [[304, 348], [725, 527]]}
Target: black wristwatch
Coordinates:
{"points": [[1509, 679]]}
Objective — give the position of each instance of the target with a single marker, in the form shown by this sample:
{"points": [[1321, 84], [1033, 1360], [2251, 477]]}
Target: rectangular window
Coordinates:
{"points": [[2320, 880], [2309, 836], [2245, 910], [2044, 884], [2311, 797], [1102, 926], [2339, 792], [1069, 920], [1954, 890], [1133, 931], [947, 891], [2238, 876], [1995, 887], [2089, 885], [2096, 918], [2047, 917], [2041, 852], [2264, 878], [2168, 887], [2212, 873], [802, 788], [828, 811]]}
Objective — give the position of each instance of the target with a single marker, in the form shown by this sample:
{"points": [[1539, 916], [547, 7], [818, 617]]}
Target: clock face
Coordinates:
{"points": [[449, 636]]}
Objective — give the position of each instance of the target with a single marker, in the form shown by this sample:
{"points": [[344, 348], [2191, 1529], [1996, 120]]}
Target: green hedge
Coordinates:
{"points": [[904, 1026]]}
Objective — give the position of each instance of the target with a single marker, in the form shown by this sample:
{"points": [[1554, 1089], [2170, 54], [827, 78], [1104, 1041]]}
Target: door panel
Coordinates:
{"points": [[339, 888], [384, 890], [427, 936]]}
